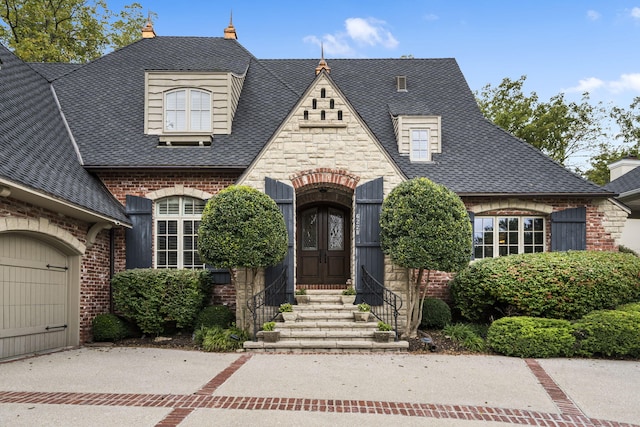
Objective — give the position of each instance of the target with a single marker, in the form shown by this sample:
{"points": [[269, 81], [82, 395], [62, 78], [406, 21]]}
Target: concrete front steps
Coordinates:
{"points": [[325, 325]]}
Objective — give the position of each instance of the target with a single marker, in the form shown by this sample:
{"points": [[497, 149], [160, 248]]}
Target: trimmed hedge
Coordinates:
{"points": [[532, 337], [560, 285], [153, 299], [435, 313], [609, 333], [109, 327], [215, 315]]}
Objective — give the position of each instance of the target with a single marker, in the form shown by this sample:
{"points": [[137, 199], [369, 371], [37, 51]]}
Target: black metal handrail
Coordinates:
{"points": [[265, 304], [385, 304]]}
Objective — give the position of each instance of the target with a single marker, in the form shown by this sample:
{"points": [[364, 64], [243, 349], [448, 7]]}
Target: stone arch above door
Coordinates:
{"points": [[57, 236]]}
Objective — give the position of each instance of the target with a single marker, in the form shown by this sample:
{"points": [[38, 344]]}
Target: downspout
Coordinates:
{"points": [[112, 260]]}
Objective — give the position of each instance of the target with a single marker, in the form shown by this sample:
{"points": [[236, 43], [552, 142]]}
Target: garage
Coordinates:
{"points": [[34, 295]]}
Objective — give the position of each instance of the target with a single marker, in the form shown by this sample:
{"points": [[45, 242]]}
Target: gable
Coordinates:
{"points": [[306, 141]]}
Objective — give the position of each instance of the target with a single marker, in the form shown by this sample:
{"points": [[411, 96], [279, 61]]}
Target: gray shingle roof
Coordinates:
{"points": [[628, 182], [104, 104], [35, 149], [53, 70]]}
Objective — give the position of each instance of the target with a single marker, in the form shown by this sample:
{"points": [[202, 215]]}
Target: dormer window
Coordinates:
{"points": [[187, 110], [419, 145], [401, 83]]}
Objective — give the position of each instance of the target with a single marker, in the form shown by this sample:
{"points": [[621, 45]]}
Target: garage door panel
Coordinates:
{"points": [[33, 287]]}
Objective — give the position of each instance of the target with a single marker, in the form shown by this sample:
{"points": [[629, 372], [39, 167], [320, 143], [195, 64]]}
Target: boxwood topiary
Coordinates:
{"points": [[609, 333], [561, 285], [109, 327], [215, 315], [531, 337], [435, 314]]}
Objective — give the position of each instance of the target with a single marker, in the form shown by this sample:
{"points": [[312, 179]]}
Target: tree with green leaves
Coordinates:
{"points": [[424, 226], [242, 228], [628, 121], [558, 128], [67, 30]]}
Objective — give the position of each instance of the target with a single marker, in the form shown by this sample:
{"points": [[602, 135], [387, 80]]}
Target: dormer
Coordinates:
{"points": [[190, 107], [417, 136]]}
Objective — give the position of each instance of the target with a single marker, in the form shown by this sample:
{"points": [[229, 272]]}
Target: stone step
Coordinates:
{"points": [[326, 325], [332, 346], [324, 316], [325, 335], [329, 307]]}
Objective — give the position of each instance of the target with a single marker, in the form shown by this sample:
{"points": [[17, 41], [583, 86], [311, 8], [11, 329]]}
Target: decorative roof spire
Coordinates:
{"points": [[230, 31], [322, 65], [147, 30]]}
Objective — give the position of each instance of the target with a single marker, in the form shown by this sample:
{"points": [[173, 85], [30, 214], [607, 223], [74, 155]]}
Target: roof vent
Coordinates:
{"points": [[322, 65], [401, 83], [147, 30]]}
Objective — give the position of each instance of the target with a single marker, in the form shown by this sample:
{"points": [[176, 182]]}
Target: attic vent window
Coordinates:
{"points": [[401, 83], [323, 93], [332, 104], [314, 104], [306, 115]]}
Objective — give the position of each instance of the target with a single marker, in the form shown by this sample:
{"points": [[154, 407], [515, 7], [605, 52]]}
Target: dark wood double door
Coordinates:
{"points": [[324, 250]]}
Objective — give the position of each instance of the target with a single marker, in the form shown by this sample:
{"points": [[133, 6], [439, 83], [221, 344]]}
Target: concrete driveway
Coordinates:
{"points": [[107, 386]]}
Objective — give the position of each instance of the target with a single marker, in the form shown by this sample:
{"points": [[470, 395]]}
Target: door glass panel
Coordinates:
{"points": [[310, 230], [336, 230]]}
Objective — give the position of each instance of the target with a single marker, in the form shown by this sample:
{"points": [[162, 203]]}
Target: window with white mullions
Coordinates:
{"points": [[177, 223], [187, 110], [500, 236], [419, 145]]}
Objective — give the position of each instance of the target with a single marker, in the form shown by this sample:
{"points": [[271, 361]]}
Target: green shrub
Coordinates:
{"points": [[531, 337], [471, 336], [435, 314], [155, 298], [215, 315], [219, 339], [560, 285], [627, 250], [109, 327], [609, 333], [632, 306], [269, 326]]}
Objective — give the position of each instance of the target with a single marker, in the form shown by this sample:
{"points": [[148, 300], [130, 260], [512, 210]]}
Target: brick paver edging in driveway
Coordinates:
{"points": [[183, 405]]}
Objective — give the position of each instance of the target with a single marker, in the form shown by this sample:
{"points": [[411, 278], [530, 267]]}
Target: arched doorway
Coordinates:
{"points": [[324, 244]]}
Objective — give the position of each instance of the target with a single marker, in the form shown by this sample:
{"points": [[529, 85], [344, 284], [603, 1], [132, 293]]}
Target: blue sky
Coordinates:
{"points": [[561, 46]]}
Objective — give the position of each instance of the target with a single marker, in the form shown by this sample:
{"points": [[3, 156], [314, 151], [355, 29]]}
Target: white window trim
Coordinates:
{"points": [[412, 157], [187, 130], [179, 218], [521, 244]]}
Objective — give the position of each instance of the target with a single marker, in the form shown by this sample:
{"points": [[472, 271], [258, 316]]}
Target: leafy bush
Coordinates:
{"points": [[269, 326], [215, 315], [627, 250], [154, 298], [468, 335], [609, 333], [219, 339], [384, 327], [109, 327], [561, 285], [531, 337], [632, 306], [435, 314]]}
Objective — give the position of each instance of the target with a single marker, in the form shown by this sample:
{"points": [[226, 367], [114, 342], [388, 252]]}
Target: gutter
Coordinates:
{"points": [[603, 195]]}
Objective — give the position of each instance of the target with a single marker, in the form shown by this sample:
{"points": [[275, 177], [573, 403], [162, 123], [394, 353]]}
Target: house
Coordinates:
{"points": [[625, 181], [107, 166]]}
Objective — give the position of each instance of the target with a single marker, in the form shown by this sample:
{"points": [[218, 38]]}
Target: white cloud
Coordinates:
{"points": [[431, 17], [371, 32], [626, 82], [635, 12], [364, 32], [593, 15], [586, 85]]}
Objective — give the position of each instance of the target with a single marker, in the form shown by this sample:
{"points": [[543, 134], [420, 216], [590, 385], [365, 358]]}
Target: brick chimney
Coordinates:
{"points": [[322, 65], [147, 30], [230, 31]]}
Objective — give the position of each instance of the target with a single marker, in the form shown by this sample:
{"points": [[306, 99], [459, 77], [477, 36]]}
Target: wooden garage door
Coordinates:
{"points": [[33, 296]]}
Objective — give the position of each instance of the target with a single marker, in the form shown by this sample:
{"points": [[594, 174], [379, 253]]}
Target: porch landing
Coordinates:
{"points": [[325, 325]]}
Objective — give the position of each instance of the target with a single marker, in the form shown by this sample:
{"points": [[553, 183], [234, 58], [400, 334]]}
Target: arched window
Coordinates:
{"points": [[187, 110], [339, 114], [323, 93], [314, 104], [332, 104], [177, 220], [323, 115], [306, 115]]}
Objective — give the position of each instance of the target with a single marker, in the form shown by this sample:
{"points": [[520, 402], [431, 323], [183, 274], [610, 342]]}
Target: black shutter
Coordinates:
{"points": [[569, 230], [283, 196], [138, 238], [472, 217], [369, 254]]}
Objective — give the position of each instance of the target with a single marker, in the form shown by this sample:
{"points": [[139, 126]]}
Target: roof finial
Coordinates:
{"points": [[322, 65], [230, 31], [147, 30]]}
